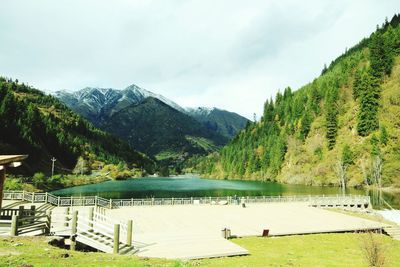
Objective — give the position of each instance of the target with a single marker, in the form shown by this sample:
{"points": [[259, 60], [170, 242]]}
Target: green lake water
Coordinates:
{"points": [[196, 187]]}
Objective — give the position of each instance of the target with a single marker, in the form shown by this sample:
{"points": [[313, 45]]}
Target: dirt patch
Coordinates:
{"points": [[9, 253]]}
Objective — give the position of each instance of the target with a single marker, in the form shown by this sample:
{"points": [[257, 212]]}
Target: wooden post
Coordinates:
{"points": [[116, 238], [73, 229], [2, 178], [14, 225], [95, 201], [58, 201], [48, 225], [21, 211], [110, 203], [91, 209], [32, 213], [129, 233], [45, 198], [33, 197], [66, 217]]}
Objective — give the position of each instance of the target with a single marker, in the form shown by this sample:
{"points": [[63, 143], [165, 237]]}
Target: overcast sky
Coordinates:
{"points": [[229, 54]]}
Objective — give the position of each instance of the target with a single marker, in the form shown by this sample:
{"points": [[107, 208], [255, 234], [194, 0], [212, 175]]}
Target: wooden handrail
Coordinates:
{"points": [[110, 203]]}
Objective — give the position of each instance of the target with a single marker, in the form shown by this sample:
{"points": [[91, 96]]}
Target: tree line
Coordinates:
{"points": [[259, 150]]}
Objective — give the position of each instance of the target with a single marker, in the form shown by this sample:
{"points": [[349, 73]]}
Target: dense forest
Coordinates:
{"points": [[162, 131], [343, 127], [40, 125]]}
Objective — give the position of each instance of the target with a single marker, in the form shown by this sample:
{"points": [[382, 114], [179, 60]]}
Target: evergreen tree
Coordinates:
{"points": [[324, 70], [357, 84], [331, 117], [381, 56], [369, 103], [305, 125], [375, 150], [384, 135], [347, 156]]}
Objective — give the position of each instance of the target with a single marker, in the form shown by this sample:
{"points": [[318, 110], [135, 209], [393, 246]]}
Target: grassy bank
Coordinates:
{"points": [[307, 250]]}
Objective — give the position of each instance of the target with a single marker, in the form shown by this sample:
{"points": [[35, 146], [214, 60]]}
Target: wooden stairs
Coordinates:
{"points": [[95, 230], [104, 243], [393, 231]]}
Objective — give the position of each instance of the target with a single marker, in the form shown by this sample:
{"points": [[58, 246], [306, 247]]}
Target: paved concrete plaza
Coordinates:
{"points": [[194, 231]]}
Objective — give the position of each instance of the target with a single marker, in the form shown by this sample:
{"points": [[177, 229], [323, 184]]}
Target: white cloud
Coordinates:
{"points": [[230, 54]]}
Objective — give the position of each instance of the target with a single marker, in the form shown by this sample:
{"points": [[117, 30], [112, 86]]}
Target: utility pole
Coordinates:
{"points": [[52, 166]]}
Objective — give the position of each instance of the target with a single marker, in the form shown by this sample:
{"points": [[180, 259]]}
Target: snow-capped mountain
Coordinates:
{"points": [[221, 121], [153, 124], [199, 111], [95, 103], [145, 94]]}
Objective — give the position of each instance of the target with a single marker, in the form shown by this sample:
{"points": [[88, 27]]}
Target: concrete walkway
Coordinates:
{"points": [[194, 231]]}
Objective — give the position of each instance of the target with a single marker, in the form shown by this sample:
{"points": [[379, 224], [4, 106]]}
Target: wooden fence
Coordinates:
{"points": [[115, 203], [24, 221], [94, 229]]}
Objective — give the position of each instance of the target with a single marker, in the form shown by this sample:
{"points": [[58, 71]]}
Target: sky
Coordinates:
{"points": [[215, 53]]}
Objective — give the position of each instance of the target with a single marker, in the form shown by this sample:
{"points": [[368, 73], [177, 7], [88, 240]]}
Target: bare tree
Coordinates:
{"points": [[340, 170], [365, 170], [374, 250], [377, 165]]}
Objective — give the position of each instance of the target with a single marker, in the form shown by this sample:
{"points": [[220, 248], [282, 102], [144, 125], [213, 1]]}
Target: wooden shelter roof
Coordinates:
{"points": [[5, 159]]}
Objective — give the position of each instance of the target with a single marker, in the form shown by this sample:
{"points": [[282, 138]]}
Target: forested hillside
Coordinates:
{"points": [[342, 127], [40, 125], [162, 131], [226, 123], [153, 124]]}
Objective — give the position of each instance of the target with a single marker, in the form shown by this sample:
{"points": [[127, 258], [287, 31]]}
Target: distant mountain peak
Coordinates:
{"points": [[95, 100], [204, 111]]}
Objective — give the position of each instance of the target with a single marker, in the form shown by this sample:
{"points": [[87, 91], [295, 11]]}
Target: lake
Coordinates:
{"points": [[195, 187]]}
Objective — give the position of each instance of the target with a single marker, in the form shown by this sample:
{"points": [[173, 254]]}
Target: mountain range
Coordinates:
{"points": [[153, 124], [40, 125]]}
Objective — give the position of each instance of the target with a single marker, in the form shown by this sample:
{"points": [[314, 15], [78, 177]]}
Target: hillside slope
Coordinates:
{"points": [[221, 121], [162, 131], [154, 124], [98, 104], [40, 125], [343, 126]]}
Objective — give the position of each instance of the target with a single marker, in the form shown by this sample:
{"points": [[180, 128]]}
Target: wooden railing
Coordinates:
{"points": [[115, 203], [23, 221], [98, 231]]}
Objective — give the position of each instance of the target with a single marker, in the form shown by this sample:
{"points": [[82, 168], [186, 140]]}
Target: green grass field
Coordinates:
{"points": [[305, 250]]}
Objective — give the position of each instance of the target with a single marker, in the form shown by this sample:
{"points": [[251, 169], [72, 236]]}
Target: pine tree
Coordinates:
{"points": [[324, 70], [375, 151], [384, 135], [368, 120], [357, 84], [331, 117], [381, 56], [347, 156], [305, 125]]}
